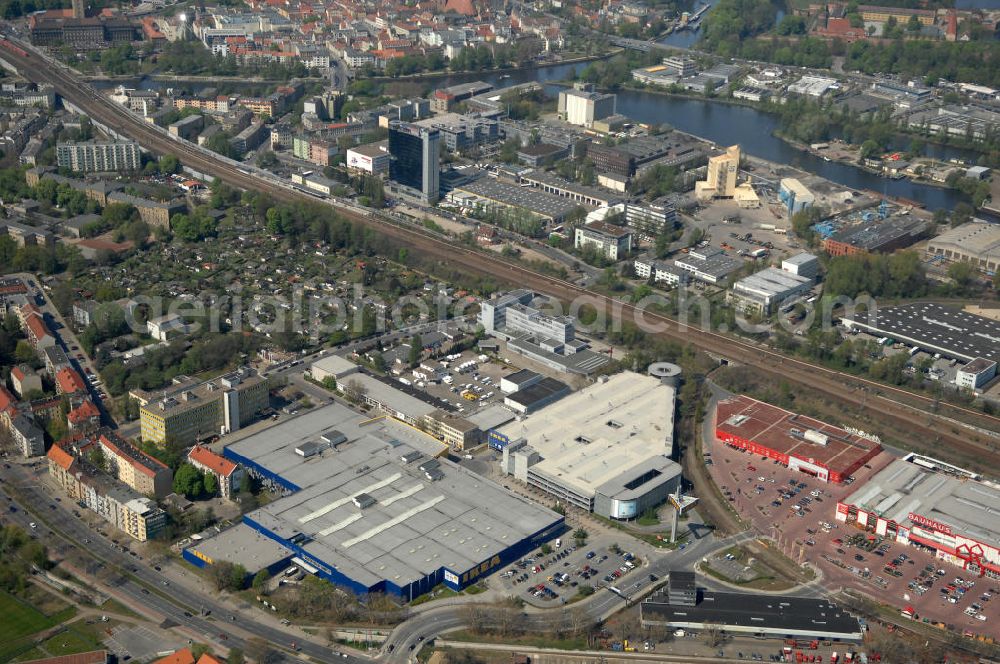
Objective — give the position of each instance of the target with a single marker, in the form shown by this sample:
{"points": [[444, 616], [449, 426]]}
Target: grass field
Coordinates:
{"points": [[19, 619], [20, 622]]}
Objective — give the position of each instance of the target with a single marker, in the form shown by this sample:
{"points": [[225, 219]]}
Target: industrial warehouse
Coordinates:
{"points": [[934, 328], [681, 605], [829, 453], [930, 504], [369, 506], [605, 449]]}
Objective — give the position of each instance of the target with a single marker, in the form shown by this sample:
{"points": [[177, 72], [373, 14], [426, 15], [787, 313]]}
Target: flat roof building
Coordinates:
{"points": [[612, 242], [428, 520], [804, 265], [877, 236], [802, 443], [952, 332], [709, 265], [605, 449], [761, 292], [776, 616], [537, 395], [223, 404], [977, 242], [488, 192], [917, 501]]}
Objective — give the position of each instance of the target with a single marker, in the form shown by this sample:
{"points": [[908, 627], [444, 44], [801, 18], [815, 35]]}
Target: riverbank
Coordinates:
{"points": [[906, 186], [492, 72], [850, 161]]}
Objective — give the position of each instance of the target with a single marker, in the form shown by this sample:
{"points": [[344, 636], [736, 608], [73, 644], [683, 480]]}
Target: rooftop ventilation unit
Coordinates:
{"points": [[814, 436], [363, 500]]}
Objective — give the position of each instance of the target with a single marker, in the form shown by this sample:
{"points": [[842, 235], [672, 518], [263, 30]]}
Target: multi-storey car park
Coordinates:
{"points": [[827, 452], [930, 504], [370, 506]]}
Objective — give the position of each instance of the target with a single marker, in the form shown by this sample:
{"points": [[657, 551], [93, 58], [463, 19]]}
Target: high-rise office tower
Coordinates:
{"points": [[415, 158]]}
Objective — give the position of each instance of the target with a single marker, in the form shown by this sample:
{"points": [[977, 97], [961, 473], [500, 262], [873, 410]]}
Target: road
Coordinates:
{"points": [[136, 582], [599, 606], [893, 405], [64, 336]]}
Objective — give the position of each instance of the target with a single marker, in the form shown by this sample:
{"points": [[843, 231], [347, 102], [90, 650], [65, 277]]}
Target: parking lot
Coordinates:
{"points": [[797, 511], [468, 390], [555, 578]]}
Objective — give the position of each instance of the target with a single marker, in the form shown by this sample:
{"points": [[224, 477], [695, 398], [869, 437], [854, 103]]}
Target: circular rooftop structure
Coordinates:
{"points": [[668, 372]]}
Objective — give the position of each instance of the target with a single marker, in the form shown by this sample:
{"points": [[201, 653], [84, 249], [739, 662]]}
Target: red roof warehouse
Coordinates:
{"points": [[797, 441]]}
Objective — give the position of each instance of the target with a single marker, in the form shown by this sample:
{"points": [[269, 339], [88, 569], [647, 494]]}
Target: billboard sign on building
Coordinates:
{"points": [[929, 523], [497, 440], [355, 160]]}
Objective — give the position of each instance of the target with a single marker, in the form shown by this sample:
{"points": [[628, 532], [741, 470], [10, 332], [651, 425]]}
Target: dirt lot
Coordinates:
{"points": [[813, 536]]}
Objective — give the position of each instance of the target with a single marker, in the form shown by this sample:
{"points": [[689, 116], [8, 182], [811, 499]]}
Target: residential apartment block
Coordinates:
{"points": [[135, 468], [99, 156], [119, 505]]}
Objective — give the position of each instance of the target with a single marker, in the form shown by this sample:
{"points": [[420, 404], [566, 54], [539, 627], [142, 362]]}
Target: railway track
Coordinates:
{"points": [[895, 405]]}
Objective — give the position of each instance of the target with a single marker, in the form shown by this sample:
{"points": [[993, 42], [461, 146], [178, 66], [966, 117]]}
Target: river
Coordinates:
{"points": [[723, 124]]}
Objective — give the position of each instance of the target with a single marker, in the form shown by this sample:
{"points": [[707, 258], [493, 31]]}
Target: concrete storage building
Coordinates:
{"points": [[795, 196], [333, 366], [721, 179], [803, 265], [605, 449], [372, 509], [826, 452], [919, 501], [583, 107]]}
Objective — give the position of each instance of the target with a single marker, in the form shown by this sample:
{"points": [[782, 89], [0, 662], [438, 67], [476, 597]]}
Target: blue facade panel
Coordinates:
{"points": [[326, 570], [260, 470], [188, 555]]}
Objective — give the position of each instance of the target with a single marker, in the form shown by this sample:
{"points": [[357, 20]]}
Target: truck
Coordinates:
{"points": [[758, 253]]}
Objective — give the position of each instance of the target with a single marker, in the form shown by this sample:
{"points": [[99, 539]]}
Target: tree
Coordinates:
{"points": [[416, 349], [188, 481], [24, 352], [210, 484], [580, 535], [235, 656], [712, 636], [355, 391], [260, 581], [961, 214], [869, 149], [169, 164], [962, 273]]}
